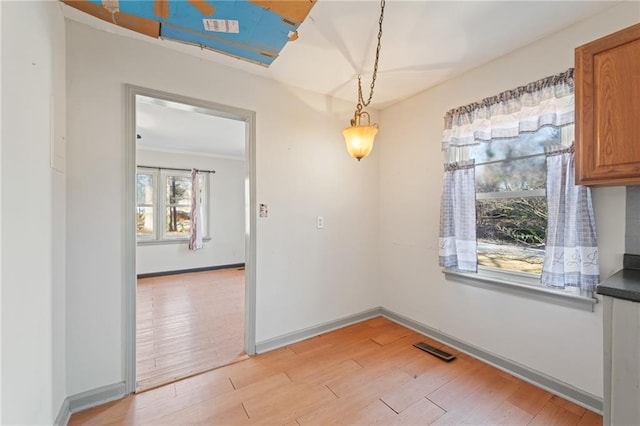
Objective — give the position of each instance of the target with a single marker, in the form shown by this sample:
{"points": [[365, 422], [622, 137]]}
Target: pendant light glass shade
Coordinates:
{"points": [[359, 140]]}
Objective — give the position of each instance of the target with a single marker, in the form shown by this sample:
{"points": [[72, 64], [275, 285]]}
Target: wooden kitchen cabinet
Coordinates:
{"points": [[607, 93]]}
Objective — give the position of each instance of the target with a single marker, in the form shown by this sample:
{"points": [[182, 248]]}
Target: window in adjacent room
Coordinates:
{"points": [[146, 182], [163, 211]]}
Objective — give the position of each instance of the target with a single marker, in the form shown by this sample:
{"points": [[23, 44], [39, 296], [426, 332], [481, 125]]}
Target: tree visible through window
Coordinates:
{"points": [[178, 210], [511, 206], [145, 194], [165, 198], [498, 150]]}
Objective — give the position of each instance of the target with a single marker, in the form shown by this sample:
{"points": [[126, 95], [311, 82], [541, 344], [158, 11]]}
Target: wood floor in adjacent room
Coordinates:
{"points": [[365, 374], [187, 324]]}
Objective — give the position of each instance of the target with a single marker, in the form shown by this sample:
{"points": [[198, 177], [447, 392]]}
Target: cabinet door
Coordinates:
{"points": [[607, 88]]}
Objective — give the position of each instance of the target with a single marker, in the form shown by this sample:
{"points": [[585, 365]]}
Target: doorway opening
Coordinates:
{"points": [[191, 274]]}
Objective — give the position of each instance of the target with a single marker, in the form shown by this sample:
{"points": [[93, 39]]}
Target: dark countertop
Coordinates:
{"points": [[624, 284]]}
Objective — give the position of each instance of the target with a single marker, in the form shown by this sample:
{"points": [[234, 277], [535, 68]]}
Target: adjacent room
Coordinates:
{"points": [[251, 212], [190, 172]]}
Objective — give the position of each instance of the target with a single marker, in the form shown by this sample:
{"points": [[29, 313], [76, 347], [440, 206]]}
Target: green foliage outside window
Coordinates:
{"points": [[511, 206]]}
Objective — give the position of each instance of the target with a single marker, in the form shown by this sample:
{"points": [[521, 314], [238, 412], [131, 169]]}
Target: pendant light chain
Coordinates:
{"points": [[359, 138], [361, 101]]}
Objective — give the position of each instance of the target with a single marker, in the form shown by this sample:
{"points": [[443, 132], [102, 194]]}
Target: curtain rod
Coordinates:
{"points": [[173, 168]]}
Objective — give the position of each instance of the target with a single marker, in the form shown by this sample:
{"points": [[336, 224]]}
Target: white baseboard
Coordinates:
{"points": [[63, 414], [89, 399], [296, 336], [523, 372], [115, 391]]}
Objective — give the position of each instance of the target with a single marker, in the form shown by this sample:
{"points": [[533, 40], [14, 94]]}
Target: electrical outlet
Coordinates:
{"points": [[264, 211], [320, 222]]}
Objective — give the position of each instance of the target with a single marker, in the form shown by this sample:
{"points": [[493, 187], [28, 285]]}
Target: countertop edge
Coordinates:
{"points": [[624, 284]]}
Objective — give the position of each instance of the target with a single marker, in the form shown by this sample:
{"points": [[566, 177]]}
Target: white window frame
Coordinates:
{"points": [[515, 282], [161, 203], [153, 172]]}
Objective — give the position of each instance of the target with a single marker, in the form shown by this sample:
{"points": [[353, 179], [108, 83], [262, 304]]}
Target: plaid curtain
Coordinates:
{"points": [[571, 254], [545, 102], [458, 218]]}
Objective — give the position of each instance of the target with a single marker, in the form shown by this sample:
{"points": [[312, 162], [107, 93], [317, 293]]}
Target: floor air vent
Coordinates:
{"points": [[435, 351]]}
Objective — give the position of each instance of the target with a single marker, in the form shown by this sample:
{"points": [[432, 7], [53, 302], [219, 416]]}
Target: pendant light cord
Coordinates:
{"points": [[375, 66]]}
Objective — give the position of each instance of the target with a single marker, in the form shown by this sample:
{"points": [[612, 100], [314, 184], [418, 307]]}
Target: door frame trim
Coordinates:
{"points": [[129, 249]]}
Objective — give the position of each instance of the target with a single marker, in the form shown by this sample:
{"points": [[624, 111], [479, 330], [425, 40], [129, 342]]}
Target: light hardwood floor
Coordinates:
{"points": [[368, 373], [187, 324]]}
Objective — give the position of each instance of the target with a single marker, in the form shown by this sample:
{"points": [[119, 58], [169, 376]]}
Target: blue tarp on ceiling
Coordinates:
{"points": [[252, 30]]}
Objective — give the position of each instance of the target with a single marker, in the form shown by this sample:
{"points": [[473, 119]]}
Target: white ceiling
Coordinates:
{"points": [[176, 127], [424, 43]]}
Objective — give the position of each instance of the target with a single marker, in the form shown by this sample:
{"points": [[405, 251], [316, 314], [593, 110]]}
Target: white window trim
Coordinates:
{"points": [[164, 174], [180, 240], [511, 194], [159, 236], [513, 282], [153, 237], [520, 284]]}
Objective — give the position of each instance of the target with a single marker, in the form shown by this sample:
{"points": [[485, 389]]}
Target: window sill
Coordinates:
{"points": [[532, 292], [164, 242]]}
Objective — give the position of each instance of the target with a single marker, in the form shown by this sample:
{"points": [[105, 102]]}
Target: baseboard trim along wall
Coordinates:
{"points": [[115, 391], [527, 374], [89, 399], [186, 271], [296, 336], [63, 414]]}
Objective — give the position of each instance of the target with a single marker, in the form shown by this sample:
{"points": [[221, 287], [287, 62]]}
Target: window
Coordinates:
{"points": [[511, 156], [146, 200], [511, 213], [163, 210], [177, 211], [511, 205]]}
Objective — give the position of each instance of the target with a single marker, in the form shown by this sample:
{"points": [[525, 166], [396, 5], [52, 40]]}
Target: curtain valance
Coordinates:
{"points": [[546, 102]]}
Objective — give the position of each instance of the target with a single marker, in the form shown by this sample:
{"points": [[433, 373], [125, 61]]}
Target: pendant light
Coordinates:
{"points": [[359, 137]]}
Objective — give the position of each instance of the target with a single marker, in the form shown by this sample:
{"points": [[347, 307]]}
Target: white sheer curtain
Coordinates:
{"points": [[571, 253], [458, 244], [195, 236]]}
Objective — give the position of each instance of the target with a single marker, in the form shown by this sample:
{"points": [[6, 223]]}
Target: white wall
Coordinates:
{"points": [[561, 342], [226, 216], [59, 213], [33, 199], [305, 276], [308, 276], [1, 133]]}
